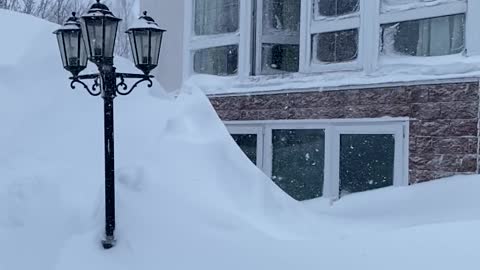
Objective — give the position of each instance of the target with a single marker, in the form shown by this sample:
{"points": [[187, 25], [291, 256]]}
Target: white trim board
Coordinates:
{"points": [[468, 79]]}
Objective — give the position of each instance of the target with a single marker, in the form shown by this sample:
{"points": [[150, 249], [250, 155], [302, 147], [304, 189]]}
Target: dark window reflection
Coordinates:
{"points": [[366, 162], [248, 144], [298, 162]]}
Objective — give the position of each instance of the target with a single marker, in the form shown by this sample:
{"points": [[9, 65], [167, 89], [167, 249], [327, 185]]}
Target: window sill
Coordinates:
{"points": [[392, 71]]}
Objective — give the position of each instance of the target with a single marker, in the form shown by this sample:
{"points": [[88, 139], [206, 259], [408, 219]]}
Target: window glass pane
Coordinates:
{"points": [[298, 162], [366, 162], [248, 144], [216, 16], [281, 36], [281, 16], [71, 42], [428, 37], [335, 47], [221, 61], [331, 8], [277, 58]]}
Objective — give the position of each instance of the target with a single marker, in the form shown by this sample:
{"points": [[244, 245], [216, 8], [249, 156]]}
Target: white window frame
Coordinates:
{"points": [[399, 127], [261, 39], [315, 24], [368, 21], [268, 142], [399, 178], [241, 38], [426, 12]]}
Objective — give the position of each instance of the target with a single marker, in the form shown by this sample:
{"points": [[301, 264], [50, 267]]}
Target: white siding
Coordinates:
{"points": [[169, 15]]}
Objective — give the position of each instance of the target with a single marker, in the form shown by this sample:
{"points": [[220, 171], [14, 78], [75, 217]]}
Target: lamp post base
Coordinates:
{"points": [[109, 242]]}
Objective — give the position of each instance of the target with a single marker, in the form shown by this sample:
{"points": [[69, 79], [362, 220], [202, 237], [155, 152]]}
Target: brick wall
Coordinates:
{"points": [[443, 129]]}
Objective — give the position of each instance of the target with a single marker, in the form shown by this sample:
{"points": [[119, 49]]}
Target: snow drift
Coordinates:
{"points": [[187, 197]]}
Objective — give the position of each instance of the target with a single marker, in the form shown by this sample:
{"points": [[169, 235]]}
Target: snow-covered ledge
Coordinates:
{"points": [[392, 71]]}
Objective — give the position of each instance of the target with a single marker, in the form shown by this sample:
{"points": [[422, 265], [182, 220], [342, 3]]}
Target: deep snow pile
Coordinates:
{"points": [[187, 197]]}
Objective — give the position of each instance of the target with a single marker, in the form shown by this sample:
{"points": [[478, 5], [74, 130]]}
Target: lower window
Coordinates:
{"points": [[298, 158], [366, 162], [248, 144], [317, 160]]}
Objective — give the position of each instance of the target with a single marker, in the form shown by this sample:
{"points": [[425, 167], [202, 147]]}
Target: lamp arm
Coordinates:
{"points": [[122, 86], [95, 91]]}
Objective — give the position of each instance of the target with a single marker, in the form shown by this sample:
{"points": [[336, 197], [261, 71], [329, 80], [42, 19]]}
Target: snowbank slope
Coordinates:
{"points": [[187, 197]]}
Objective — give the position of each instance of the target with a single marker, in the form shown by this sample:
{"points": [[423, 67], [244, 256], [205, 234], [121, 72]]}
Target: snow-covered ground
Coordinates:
{"points": [[187, 197]]}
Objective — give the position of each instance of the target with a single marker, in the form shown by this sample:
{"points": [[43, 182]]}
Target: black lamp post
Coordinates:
{"points": [[98, 29]]}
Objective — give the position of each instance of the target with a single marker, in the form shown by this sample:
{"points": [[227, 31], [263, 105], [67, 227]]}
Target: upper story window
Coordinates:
{"points": [[264, 37], [279, 37], [216, 17], [329, 8], [215, 37], [426, 37], [335, 47]]}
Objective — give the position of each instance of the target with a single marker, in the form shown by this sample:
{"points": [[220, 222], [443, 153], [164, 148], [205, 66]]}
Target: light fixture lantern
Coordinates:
{"points": [[72, 48], [145, 41], [99, 28]]}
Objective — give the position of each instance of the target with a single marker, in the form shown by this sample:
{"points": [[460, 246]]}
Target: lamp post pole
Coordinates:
{"points": [[92, 37], [109, 85]]}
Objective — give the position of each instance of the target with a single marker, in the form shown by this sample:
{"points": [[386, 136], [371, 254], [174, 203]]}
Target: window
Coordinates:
{"points": [[333, 8], [416, 28], [266, 37], [298, 161], [215, 41], [213, 17], [336, 47], [427, 37], [366, 162], [248, 144], [217, 60], [278, 29], [311, 159], [250, 140]]}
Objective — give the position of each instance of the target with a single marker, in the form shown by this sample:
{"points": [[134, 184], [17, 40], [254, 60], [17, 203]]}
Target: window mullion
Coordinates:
{"points": [[214, 41], [267, 151], [369, 35], [258, 34], [472, 23], [245, 27], [306, 14], [329, 182]]}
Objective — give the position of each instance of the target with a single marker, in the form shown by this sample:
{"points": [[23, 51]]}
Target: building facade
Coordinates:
{"points": [[331, 97]]}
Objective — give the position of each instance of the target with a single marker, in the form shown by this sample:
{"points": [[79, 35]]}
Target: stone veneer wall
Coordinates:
{"points": [[444, 127]]}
